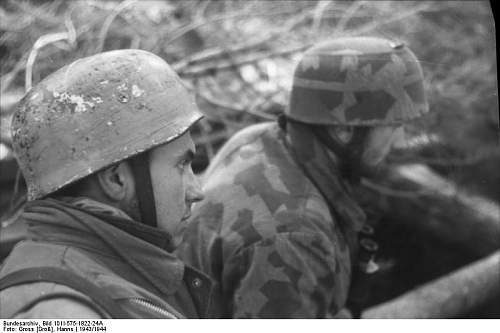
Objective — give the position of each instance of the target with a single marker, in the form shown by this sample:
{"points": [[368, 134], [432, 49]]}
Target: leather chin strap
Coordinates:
{"points": [[144, 188], [350, 155]]}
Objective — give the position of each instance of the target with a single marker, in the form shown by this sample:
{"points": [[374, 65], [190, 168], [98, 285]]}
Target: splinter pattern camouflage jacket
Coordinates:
{"points": [[266, 234]]}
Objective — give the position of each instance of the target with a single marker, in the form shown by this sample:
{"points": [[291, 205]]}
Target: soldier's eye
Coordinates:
{"points": [[185, 160], [184, 163]]}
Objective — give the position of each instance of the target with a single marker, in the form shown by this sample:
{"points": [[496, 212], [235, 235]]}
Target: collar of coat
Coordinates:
{"points": [[87, 224], [323, 171]]}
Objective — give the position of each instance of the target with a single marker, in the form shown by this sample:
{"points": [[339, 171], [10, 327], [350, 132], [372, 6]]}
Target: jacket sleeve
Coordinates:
{"points": [[291, 275]]}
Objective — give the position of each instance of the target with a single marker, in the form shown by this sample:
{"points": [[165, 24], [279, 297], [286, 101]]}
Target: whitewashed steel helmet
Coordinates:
{"points": [[95, 112]]}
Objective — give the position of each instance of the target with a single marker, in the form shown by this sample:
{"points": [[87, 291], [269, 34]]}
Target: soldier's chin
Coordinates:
{"points": [[178, 235]]}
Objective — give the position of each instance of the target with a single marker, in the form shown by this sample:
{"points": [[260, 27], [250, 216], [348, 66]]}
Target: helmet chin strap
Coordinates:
{"points": [[144, 188], [350, 154]]}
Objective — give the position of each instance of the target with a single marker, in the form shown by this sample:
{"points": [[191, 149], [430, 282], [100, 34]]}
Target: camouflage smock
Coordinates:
{"points": [[266, 234]]}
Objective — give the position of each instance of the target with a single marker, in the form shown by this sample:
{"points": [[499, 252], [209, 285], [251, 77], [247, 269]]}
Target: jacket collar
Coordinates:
{"points": [[322, 170], [122, 221], [91, 225]]}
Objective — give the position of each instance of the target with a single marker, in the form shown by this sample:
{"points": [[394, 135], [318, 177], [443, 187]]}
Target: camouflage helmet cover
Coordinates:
{"points": [[358, 81], [95, 112]]}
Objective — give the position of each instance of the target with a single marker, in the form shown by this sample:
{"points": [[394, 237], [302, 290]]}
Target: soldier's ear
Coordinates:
{"points": [[117, 182]]}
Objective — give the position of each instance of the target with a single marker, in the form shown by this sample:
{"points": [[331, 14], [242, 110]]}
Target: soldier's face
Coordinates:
{"points": [[175, 186], [379, 143]]}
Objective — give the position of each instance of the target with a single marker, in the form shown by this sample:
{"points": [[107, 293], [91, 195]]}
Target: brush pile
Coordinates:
{"points": [[237, 57]]}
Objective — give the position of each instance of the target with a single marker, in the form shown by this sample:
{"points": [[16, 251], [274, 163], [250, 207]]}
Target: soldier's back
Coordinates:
{"points": [[265, 233]]}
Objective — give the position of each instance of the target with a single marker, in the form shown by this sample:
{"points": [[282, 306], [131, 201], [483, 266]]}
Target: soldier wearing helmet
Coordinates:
{"points": [[105, 149], [278, 225]]}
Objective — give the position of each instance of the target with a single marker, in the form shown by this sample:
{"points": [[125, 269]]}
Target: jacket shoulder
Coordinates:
{"points": [[28, 254], [241, 139], [45, 300]]}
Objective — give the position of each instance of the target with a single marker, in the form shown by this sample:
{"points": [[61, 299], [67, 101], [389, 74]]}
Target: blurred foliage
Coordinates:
{"points": [[237, 57]]}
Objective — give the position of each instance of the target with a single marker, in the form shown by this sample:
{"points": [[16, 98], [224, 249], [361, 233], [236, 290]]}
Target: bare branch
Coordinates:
{"points": [[201, 70], [37, 12], [217, 52], [231, 106], [109, 20], [400, 16], [318, 14], [228, 52], [40, 43], [390, 191], [200, 12], [195, 25], [469, 160], [70, 27], [9, 77], [220, 103], [347, 17]]}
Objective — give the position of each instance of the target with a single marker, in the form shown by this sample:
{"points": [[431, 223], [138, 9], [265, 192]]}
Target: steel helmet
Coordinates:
{"points": [[357, 81], [95, 112]]}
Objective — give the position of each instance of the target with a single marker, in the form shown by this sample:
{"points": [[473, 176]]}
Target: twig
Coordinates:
{"points": [[259, 100], [17, 26], [225, 105], [68, 22], [220, 103], [339, 28], [200, 12], [318, 14], [368, 28], [212, 100], [254, 111], [15, 192], [39, 12], [221, 65], [215, 52], [260, 103], [44, 40], [9, 77], [466, 161], [109, 20], [40, 43], [195, 25], [390, 191]]}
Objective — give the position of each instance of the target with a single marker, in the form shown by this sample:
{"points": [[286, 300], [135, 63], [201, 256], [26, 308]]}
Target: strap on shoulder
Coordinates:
{"points": [[67, 278]]}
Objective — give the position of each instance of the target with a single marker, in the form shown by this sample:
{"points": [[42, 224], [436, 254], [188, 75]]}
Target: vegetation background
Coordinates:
{"points": [[237, 57]]}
